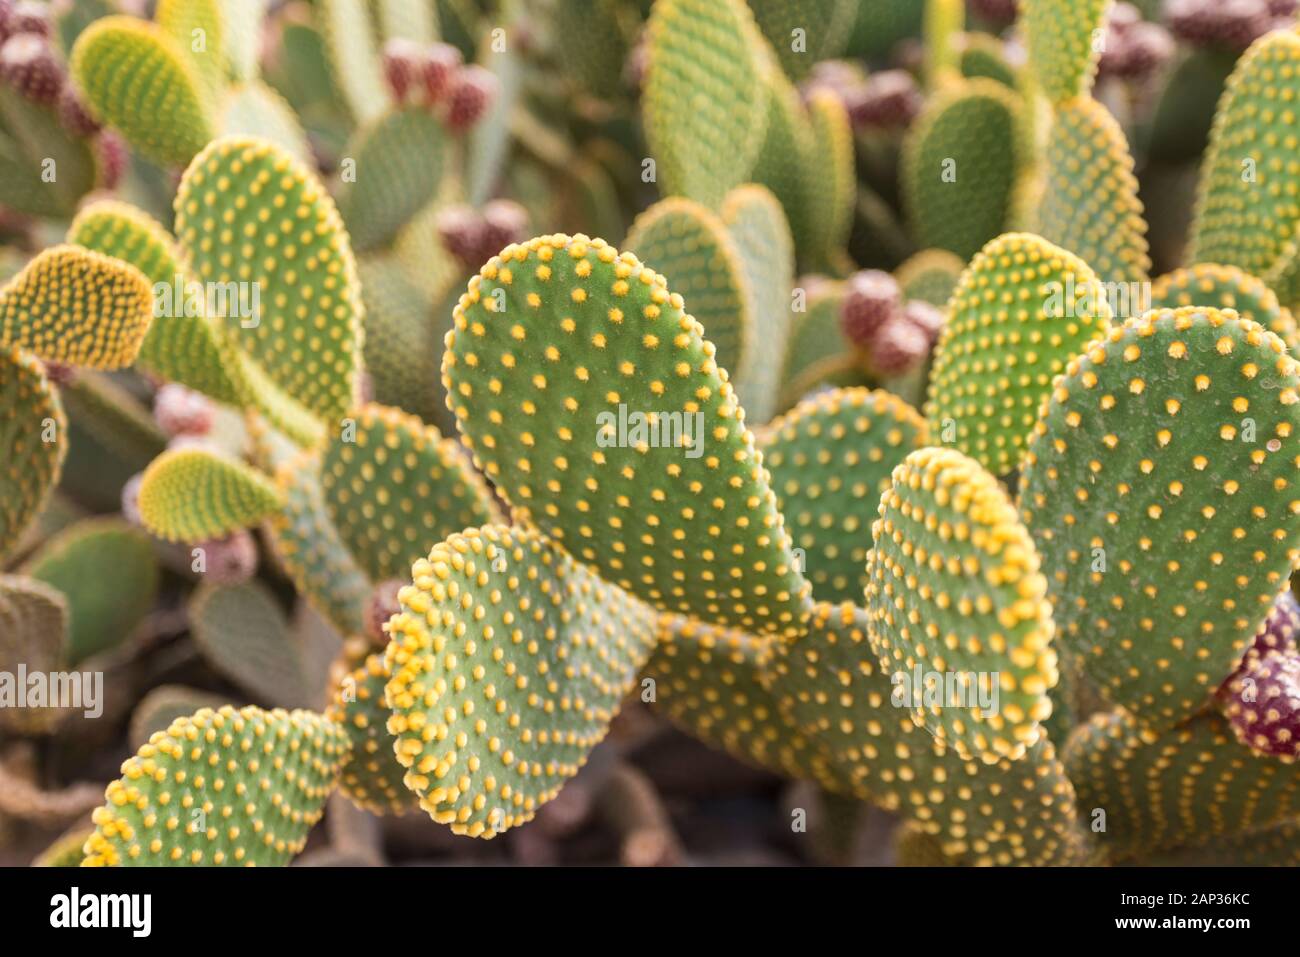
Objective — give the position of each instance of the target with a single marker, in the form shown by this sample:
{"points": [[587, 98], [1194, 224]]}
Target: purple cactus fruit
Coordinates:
{"points": [[131, 500], [926, 317], [505, 222], [60, 373], [28, 17], [461, 229], [897, 347], [1283, 8], [1262, 703], [1232, 24], [28, 65], [440, 63], [181, 411], [873, 299], [403, 60], [1278, 633], [889, 99], [381, 606], [74, 115], [472, 92], [231, 560], [110, 148], [1001, 12], [1143, 49]]}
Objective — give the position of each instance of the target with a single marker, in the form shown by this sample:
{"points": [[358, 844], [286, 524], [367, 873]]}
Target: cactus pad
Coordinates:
{"points": [[931, 276], [955, 594], [830, 184], [77, 307], [1226, 287], [225, 788], [33, 633], [1059, 36], [287, 244], [508, 662], [136, 78], [830, 459], [32, 442], [696, 254], [371, 777], [393, 485], [1158, 488], [1022, 309], [704, 144], [1090, 198], [244, 635], [190, 495], [615, 342]]}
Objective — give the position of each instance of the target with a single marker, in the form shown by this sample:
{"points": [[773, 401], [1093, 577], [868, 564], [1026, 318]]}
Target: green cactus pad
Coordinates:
{"points": [[815, 338], [103, 414], [1164, 532], [931, 276], [704, 144], [592, 40], [1277, 846], [44, 169], [959, 165], [984, 55], [190, 495], [371, 777], [1090, 198], [1226, 287], [78, 307], [1182, 786], [136, 79], [392, 485], [354, 57], [311, 551], [255, 109], [197, 27], [1023, 308], [243, 21], [177, 346], [955, 594], [830, 459], [107, 571], [403, 349], [163, 705], [757, 225], [611, 335], [243, 634], [30, 413], [508, 662], [399, 162], [824, 27], [248, 213], [33, 633], [783, 163], [696, 254], [224, 788], [1059, 37], [707, 682], [830, 684], [831, 184], [1245, 215]]}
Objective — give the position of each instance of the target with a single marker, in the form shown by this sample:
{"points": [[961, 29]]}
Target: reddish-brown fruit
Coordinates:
{"points": [[74, 115], [181, 411], [1231, 24], [382, 605], [402, 63], [995, 11], [889, 99], [1262, 703], [472, 92], [505, 222], [873, 298], [231, 560], [440, 63], [461, 229], [28, 64], [898, 346], [926, 317], [28, 17]]}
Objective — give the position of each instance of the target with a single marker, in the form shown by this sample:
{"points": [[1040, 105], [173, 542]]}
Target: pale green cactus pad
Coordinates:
{"points": [[190, 495], [371, 778], [1226, 287], [1060, 36], [33, 634], [33, 442]]}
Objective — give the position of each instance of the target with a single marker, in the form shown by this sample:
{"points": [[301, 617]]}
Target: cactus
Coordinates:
{"points": [[1059, 36], [33, 633], [190, 495], [32, 440]]}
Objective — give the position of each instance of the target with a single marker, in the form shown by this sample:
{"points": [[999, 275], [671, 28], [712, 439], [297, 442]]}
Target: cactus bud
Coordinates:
{"points": [[888, 99], [897, 346], [1262, 703], [926, 317], [402, 66], [472, 92], [461, 229], [181, 411], [1234, 24], [381, 606], [74, 116], [27, 17], [1000, 12], [28, 64], [439, 65], [873, 299], [231, 560], [505, 222], [110, 148]]}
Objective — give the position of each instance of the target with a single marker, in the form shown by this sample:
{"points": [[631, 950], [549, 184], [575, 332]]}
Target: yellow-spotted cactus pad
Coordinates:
{"points": [[191, 495], [1061, 37], [1246, 216], [1159, 488], [220, 788], [1023, 308], [33, 634], [958, 607], [508, 661], [178, 346], [33, 442], [310, 549], [137, 79], [1227, 287], [627, 410], [707, 681], [1090, 198], [254, 218], [783, 164], [371, 777], [704, 144], [803, 32], [930, 275], [1185, 785], [393, 485], [758, 227], [831, 685], [959, 166], [696, 254], [198, 28], [831, 184], [77, 307], [831, 458]]}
